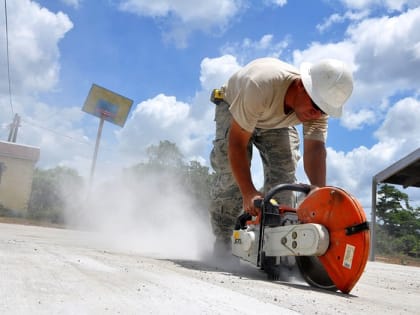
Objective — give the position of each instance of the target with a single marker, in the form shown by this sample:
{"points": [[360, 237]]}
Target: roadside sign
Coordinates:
{"points": [[107, 105]]}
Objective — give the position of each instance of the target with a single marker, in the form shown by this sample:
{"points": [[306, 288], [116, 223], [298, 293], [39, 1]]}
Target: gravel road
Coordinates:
{"points": [[57, 271]]}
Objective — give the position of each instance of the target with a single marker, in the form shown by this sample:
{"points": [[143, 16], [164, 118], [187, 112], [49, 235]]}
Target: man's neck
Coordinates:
{"points": [[289, 98]]}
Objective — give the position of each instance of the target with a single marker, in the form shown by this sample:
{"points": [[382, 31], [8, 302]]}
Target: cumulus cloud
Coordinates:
{"points": [[355, 120], [401, 123], [216, 71], [390, 5], [73, 3], [386, 50], [34, 33], [279, 3], [181, 17], [189, 125], [337, 18], [383, 53], [248, 49], [397, 136], [162, 118]]}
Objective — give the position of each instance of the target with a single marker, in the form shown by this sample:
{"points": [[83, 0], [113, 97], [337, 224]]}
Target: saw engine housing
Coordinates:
{"points": [[326, 236]]}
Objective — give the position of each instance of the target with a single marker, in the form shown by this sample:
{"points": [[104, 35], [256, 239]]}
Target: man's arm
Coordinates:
{"points": [[314, 161], [240, 165]]}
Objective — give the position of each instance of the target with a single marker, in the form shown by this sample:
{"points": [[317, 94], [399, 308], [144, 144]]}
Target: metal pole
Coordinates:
{"points": [[373, 221], [12, 129], [17, 125], [95, 154]]}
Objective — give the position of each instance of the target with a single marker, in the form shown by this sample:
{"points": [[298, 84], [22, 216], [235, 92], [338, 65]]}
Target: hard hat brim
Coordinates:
{"points": [[305, 74]]}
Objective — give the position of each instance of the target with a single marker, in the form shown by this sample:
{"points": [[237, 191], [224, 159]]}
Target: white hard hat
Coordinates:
{"points": [[329, 83]]}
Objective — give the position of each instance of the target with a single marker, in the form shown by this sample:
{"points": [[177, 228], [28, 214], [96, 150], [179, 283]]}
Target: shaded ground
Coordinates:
{"points": [[57, 271]]}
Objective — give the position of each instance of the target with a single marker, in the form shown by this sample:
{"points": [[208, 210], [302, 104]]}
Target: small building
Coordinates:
{"points": [[17, 163]]}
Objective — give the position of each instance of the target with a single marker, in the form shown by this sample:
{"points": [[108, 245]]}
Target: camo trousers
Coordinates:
{"points": [[279, 151]]}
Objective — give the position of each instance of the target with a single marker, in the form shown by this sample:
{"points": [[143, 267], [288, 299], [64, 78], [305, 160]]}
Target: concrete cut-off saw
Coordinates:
{"points": [[326, 237]]}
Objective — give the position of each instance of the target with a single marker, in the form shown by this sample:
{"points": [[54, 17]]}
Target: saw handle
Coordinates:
{"points": [[304, 188], [267, 207], [265, 204]]}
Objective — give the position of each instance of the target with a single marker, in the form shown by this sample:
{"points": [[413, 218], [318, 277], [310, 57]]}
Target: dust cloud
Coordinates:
{"points": [[154, 215]]}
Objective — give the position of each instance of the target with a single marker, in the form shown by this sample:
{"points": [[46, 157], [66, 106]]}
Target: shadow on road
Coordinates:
{"points": [[232, 267]]}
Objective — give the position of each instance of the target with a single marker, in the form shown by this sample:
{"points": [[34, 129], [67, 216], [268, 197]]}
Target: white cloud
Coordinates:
{"points": [[338, 18], [188, 11], [383, 52], [185, 16], [34, 33], [356, 120], [279, 3], [386, 50], [157, 119], [397, 137], [249, 49], [391, 5], [402, 123], [34, 36], [216, 71], [163, 117], [73, 3], [343, 50]]}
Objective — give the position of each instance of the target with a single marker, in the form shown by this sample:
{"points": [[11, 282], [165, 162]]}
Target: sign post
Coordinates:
{"points": [[109, 106]]}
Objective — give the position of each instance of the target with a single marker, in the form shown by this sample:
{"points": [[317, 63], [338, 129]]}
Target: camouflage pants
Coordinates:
{"points": [[279, 151]]}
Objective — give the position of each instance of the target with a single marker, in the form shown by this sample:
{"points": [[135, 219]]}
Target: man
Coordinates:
{"points": [[260, 105]]}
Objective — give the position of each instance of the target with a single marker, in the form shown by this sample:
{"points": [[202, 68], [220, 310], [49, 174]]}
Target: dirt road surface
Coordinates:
{"points": [[57, 271]]}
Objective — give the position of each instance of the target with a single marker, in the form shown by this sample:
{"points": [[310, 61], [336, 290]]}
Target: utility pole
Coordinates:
{"points": [[95, 154], [14, 127]]}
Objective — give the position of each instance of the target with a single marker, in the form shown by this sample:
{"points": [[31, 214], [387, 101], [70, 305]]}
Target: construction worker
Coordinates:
{"points": [[260, 105]]}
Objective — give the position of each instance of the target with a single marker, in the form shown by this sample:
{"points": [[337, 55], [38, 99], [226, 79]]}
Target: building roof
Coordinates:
{"points": [[405, 172], [19, 151]]}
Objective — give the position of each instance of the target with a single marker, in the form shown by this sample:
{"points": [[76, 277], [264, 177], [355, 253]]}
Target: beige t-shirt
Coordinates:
{"points": [[256, 97]]}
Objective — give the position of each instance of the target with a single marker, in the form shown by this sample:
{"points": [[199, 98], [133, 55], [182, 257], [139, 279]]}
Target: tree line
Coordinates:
{"points": [[60, 193], [398, 223], [59, 190]]}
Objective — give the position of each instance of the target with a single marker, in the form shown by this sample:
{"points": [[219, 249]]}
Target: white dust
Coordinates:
{"points": [[153, 215]]}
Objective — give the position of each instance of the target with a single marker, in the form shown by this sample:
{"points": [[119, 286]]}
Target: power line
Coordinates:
{"points": [[88, 143], [7, 56], [56, 133]]}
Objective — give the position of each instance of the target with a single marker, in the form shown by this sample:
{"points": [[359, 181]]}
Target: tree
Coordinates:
{"points": [[166, 168], [165, 154], [52, 191], [198, 181], [399, 223]]}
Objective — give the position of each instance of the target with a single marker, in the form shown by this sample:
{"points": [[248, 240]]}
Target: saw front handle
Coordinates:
{"points": [[268, 205]]}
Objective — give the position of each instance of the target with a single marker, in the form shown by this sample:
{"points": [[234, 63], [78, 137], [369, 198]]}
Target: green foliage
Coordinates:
{"points": [[55, 191], [197, 180], [166, 154], [166, 165], [52, 189], [398, 223]]}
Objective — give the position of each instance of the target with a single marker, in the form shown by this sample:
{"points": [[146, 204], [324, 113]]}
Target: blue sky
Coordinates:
{"points": [[167, 55]]}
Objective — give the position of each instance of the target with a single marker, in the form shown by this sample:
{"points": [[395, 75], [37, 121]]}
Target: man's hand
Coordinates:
{"points": [[249, 205]]}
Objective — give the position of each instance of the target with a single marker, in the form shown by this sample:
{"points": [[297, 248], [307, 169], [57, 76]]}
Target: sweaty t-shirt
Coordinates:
{"points": [[256, 94]]}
